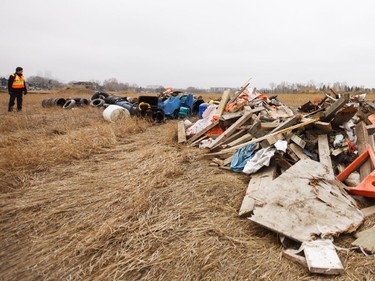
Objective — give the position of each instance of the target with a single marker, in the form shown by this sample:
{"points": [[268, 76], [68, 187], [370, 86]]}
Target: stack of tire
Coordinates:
{"points": [[73, 102], [53, 102], [102, 99]]}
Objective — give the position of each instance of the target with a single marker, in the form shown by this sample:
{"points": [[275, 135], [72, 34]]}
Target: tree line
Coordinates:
{"points": [[112, 84]]}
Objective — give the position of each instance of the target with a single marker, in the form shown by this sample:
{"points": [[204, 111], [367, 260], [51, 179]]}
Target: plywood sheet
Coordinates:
{"points": [[303, 204]]}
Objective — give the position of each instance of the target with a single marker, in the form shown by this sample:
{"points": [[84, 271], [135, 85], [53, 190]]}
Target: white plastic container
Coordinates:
{"points": [[114, 112]]}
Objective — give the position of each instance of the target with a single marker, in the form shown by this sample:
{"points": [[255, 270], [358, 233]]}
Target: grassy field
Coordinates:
{"points": [[84, 199]]}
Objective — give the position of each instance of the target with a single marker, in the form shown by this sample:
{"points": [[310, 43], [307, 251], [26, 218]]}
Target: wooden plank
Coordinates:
{"points": [[240, 140], [325, 127], [269, 125], [325, 155], [370, 129], [235, 136], [366, 240], [228, 116], [329, 114], [298, 151], [223, 103], [261, 178], [228, 132], [227, 161], [218, 161], [287, 123], [343, 116], [196, 142], [369, 211], [181, 132], [290, 255], [202, 132], [302, 204], [298, 141], [232, 149], [236, 95], [255, 129], [321, 257], [268, 141], [362, 141]]}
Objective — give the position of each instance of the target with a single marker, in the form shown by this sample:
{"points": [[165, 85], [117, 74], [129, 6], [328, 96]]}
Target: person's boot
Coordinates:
{"points": [[19, 109], [10, 109]]}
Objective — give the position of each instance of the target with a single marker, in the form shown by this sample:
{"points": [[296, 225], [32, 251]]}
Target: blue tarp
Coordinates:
{"points": [[240, 157]]}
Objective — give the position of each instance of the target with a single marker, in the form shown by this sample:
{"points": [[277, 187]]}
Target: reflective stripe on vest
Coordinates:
{"points": [[18, 82]]}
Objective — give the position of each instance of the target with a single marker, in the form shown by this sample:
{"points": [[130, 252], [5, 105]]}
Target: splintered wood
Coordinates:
{"points": [[303, 205]]}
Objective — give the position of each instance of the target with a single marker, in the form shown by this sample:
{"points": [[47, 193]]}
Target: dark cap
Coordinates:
{"points": [[19, 68]]}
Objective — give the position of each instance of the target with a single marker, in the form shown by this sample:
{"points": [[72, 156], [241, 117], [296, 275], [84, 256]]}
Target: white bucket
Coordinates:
{"points": [[115, 112]]}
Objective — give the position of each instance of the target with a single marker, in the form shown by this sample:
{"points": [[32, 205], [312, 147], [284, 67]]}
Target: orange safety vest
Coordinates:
{"points": [[18, 82]]}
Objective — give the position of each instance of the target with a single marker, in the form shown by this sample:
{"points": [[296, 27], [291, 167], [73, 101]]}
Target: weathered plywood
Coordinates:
{"points": [[303, 204], [366, 240], [321, 257], [262, 178]]}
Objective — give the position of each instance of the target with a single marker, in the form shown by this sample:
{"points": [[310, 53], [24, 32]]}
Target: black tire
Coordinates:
{"points": [[97, 94], [69, 104], [97, 103]]}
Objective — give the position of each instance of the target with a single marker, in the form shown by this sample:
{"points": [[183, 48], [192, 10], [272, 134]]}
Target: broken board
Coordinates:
{"points": [[303, 204], [366, 240], [321, 257], [262, 178]]}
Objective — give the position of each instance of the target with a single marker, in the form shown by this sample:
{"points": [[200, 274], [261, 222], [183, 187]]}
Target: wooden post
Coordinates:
{"points": [[325, 155], [181, 132], [223, 103]]}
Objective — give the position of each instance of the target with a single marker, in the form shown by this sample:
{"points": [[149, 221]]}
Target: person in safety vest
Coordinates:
{"points": [[16, 87]]}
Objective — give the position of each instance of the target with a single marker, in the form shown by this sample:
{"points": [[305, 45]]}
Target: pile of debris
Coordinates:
{"points": [[169, 104], [303, 163]]}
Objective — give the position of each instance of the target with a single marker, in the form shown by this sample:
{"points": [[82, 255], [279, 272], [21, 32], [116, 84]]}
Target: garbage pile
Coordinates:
{"points": [[169, 104], [310, 168]]}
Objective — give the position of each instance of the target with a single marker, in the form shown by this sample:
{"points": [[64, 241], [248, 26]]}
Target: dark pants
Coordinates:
{"points": [[12, 98]]}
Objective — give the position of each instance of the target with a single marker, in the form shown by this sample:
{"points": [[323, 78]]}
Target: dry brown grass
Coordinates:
{"points": [[99, 201]]}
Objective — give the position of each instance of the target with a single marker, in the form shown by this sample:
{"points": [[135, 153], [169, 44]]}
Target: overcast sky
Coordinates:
{"points": [[181, 43]]}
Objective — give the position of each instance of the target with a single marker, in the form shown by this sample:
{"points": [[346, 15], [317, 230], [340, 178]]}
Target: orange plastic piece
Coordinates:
{"points": [[367, 186], [371, 118], [215, 131]]}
